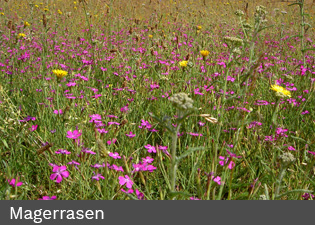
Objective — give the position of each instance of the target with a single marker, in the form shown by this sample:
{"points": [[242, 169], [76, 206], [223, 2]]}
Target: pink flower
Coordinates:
{"points": [[58, 111], [150, 148], [147, 159], [73, 135], [217, 180], [117, 168], [130, 191], [194, 198], [164, 149], [114, 155], [59, 172], [291, 148], [130, 135], [102, 131], [62, 151], [140, 195], [33, 128], [98, 177], [124, 109], [125, 180], [48, 198], [15, 183], [111, 141]]}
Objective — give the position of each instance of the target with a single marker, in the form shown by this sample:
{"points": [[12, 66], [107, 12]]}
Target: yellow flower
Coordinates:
{"points": [[150, 36], [199, 27], [59, 12], [36, 6], [21, 35], [60, 73], [204, 53], [1, 13], [26, 24], [281, 91], [183, 63], [45, 9], [74, 2]]}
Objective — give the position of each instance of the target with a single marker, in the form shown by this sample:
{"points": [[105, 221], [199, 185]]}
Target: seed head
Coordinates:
{"points": [[182, 101], [239, 13], [286, 159]]}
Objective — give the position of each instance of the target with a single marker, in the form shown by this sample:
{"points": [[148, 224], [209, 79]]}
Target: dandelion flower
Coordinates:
{"points": [[150, 36], [21, 35], [60, 73], [26, 24], [281, 91], [183, 63], [199, 27], [204, 54]]}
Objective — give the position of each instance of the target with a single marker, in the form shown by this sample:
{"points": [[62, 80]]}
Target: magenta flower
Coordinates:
{"points": [[73, 163], [95, 118], [59, 172], [164, 149], [194, 198], [130, 191], [147, 159], [97, 165], [73, 135], [114, 155], [15, 183], [147, 167], [150, 148], [137, 167], [48, 198], [140, 195], [291, 148], [88, 151], [62, 151], [125, 180], [130, 135], [306, 196], [124, 109], [33, 128], [58, 111], [102, 131], [97, 177], [217, 180], [117, 168], [109, 142]]}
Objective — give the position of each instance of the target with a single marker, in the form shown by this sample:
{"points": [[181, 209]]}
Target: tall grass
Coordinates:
{"points": [[243, 140]]}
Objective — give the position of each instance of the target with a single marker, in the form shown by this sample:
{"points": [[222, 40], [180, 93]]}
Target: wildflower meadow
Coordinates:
{"points": [[157, 100]]}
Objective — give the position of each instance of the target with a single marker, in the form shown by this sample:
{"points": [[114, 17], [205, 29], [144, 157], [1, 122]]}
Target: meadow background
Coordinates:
{"points": [[86, 108]]}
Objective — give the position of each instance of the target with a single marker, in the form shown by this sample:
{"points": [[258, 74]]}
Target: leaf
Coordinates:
{"points": [[188, 152], [5, 143], [306, 14], [161, 122], [266, 192], [308, 49], [131, 196], [297, 138], [295, 3], [265, 28], [293, 191], [173, 194], [293, 36]]}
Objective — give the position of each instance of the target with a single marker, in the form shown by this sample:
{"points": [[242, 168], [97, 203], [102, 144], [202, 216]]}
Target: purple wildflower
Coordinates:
{"points": [[59, 172]]}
